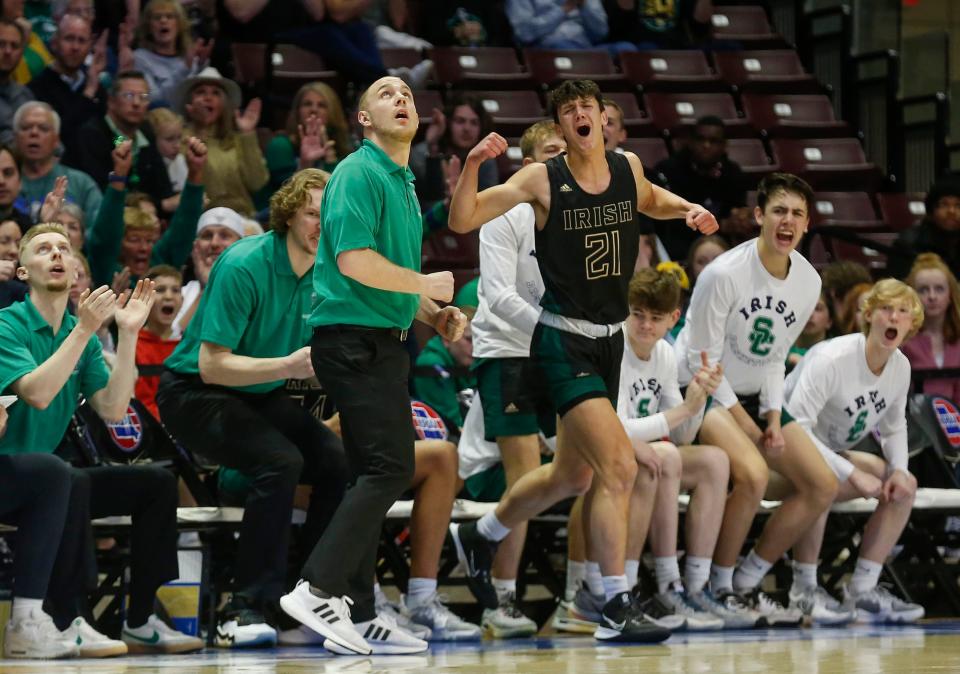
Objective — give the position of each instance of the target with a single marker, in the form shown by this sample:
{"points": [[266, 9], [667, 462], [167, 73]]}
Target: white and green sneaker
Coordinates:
{"points": [[91, 643], [155, 636]]}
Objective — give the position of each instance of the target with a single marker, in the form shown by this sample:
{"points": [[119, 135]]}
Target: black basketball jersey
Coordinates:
{"points": [[589, 245]]}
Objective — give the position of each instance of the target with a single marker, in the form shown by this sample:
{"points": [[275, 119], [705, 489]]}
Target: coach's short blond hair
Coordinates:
{"points": [[891, 290]]}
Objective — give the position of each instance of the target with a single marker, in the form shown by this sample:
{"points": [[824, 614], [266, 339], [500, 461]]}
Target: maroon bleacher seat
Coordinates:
{"points": [[552, 66], [771, 71], [800, 116], [634, 120], [684, 70], [400, 57], [901, 210], [651, 151], [828, 163], [479, 68], [750, 154], [510, 161], [747, 25], [848, 210], [445, 249], [249, 64], [872, 259], [511, 111], [676, 113], [292, 67]]}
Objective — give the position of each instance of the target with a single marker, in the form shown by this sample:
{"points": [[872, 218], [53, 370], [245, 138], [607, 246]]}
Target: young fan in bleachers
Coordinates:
{"points": [[157, 338], [937, 345]]}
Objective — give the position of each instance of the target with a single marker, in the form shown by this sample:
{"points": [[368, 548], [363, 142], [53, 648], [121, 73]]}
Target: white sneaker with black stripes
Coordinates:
{"points": [[326, 615], [384, 637]]}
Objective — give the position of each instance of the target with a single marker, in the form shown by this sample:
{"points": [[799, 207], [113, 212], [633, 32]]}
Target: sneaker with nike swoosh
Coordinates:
{"points": [[155, 636]]}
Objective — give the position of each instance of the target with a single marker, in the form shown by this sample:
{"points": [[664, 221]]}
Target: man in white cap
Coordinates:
{"points": [[216, 229]]}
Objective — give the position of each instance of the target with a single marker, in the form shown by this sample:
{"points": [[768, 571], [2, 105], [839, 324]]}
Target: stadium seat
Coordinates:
{"points": [[672, 112], [425, 100], [747, 25], [292, 67], [634, 120], [801, 116], [871, 258], [847, 210], [249, 64], [765, 71], [510, 161], [512, 111], [552, 66], [902, 210], [651, 151], [446, 249], [479, 68], [400, 57], [684, 70], [828, 163], [752, 158]]}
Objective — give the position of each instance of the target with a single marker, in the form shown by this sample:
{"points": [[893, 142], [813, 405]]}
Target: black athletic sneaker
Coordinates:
{"points": [[476, 555], [622, 620]]}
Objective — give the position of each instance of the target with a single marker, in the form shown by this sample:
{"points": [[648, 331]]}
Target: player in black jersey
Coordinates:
{"points": [[586, 203]]}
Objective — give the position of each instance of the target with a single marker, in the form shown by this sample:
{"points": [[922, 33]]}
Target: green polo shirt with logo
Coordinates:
{"points": [[370, 203], [253, 304], [26, 341]]}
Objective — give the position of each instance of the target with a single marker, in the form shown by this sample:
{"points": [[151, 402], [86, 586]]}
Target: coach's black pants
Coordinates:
{"points": [[34, 495], [149, 495], [365, 373], [276, 444]]}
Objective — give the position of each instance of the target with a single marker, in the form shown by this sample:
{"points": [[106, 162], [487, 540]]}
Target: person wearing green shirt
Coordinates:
{"points": [[223, 396], [124, 237], [48, 358], [368, 289]]}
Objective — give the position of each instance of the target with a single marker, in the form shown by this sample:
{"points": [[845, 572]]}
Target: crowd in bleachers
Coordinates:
{"points": [[159, 134]]}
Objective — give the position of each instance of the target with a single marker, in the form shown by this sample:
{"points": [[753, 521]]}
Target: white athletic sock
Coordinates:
{"points": [[751, 572], [721, 579], [696, 572], [594, 580], [22, 607], [804, 576], [490, 527], [667, 571], [504, 586], [419, 590], [576, 574], [614, 585], [632, 567], [865, 576]]}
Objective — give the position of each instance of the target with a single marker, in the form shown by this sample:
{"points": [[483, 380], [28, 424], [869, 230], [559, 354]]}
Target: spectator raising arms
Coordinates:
{"points": [[937, 345], [235, 166], [316, 135], [167, 53], [125, 118]]}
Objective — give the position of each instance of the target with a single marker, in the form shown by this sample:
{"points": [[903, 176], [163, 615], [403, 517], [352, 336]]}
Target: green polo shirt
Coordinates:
{"points": [[368, 203], [253, 304], [26, 341]]}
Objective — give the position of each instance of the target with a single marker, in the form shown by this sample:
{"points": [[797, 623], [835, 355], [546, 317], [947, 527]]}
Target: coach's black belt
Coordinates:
{"points": [[395, 333]]}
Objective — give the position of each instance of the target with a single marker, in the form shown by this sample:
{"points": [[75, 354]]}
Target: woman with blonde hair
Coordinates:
{"points": [[316, 135], [235, 166], [937, 345], [167, 53]]}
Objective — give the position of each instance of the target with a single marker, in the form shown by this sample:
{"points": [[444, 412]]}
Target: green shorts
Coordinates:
{"points": [[577, 368], [515, 400]]}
